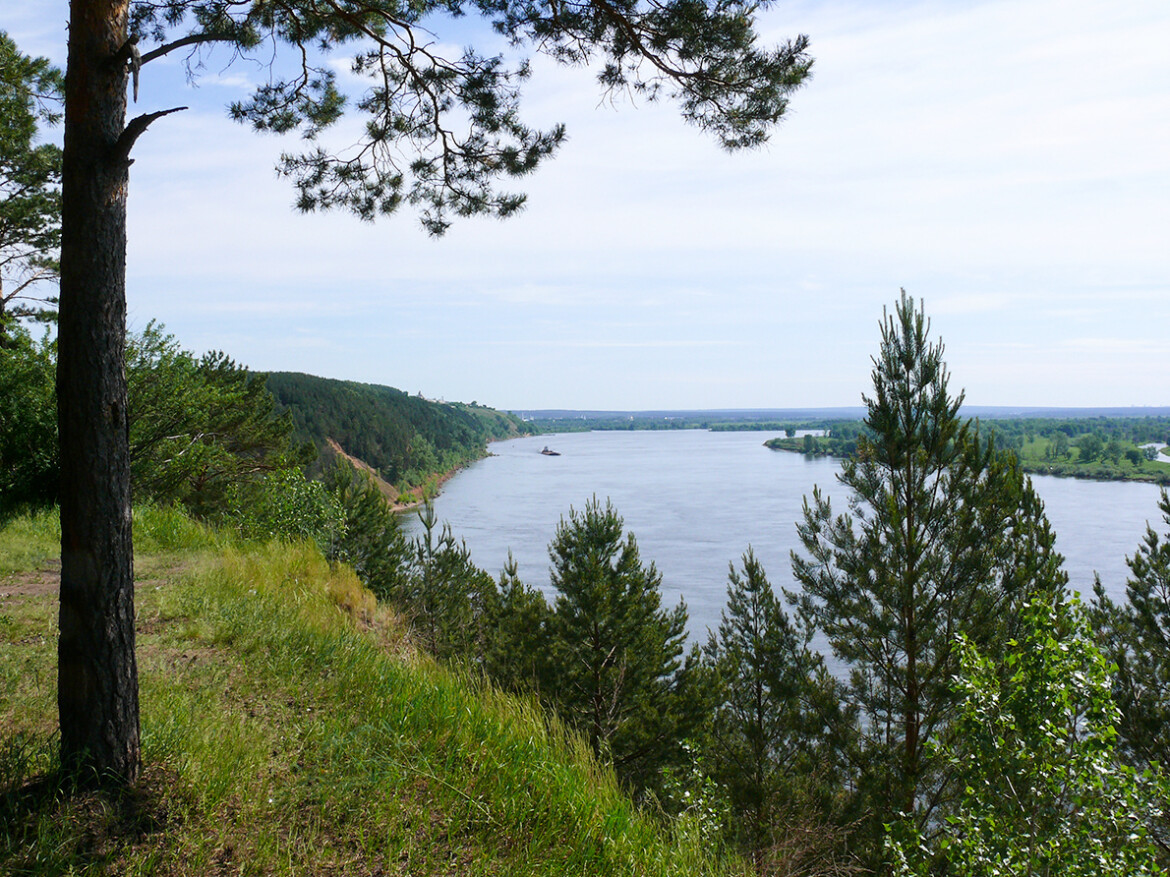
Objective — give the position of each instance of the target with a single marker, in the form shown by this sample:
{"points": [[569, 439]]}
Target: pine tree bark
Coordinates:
{"points": [[97, 671]]}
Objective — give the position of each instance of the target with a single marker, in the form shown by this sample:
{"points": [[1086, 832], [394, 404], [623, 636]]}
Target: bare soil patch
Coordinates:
{"points": [[45, 582], [388, 490], [385, 488]]}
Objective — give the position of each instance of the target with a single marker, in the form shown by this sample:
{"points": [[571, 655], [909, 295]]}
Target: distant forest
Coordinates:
{"points": [[406, 438], [1009, 420], [1109, 448]]}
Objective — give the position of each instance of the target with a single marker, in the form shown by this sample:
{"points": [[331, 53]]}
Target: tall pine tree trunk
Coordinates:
{"points": [[97, 673]]}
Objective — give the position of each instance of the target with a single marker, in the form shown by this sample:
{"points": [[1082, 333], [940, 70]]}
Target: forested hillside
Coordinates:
{"points": [[406, 438]]}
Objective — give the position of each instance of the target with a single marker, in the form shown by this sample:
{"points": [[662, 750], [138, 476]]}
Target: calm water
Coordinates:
{"points": [[695, 500]]}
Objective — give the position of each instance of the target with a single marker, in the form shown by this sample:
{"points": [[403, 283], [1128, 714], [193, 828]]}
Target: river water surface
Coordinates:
{"points": [[695, 500]]}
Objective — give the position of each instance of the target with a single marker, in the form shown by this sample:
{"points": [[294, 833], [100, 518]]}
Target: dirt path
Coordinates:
{"points": [[45, 582]]}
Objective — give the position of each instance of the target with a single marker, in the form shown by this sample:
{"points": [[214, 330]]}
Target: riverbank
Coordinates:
{"points": [[419, 495], [405, 499], [1144, 472], [1089, 472]]}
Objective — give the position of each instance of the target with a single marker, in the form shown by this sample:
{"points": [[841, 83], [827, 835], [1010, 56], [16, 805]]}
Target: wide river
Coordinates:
{"points": [[696, 500]]}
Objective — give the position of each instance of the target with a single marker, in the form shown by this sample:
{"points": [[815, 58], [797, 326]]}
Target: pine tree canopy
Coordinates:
{"points": [[1135, 636], [620, 674], [30, 177], [944, 537], [440, 129], [763, 746]]}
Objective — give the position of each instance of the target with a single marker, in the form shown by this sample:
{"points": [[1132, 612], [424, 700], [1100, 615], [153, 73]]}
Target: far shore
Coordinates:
{"points": [[1028, 466]]}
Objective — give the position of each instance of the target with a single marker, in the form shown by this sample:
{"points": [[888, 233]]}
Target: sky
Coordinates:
{"points": [[1008, 163]]}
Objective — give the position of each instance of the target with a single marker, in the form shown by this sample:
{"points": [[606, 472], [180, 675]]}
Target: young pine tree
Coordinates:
{"points": [[447, 597], [369, 538], [943, 538], [764, 735], [518, 639], [1136, 637], [619, 678]]}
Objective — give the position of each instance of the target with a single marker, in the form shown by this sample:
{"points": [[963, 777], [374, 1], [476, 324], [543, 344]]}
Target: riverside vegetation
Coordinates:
{"points": [[322, 695], [1102, 448], [406, 439]]}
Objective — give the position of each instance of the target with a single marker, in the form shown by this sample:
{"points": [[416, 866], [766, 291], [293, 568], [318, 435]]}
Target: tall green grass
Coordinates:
{"points": [[29, 541], [287, 729], [168, 528], [501, 788]]}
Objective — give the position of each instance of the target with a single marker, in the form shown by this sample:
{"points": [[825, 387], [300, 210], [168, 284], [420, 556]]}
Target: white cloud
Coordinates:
{"points": [[1007, 162]]}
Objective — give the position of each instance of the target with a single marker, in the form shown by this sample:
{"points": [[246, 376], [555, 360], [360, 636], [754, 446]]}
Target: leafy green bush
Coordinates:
{"points": [[284, 505], [28, 421], [1043, 791], [200, 425]]}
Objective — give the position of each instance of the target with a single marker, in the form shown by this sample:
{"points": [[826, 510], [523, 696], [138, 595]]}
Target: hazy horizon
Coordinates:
{"points": [[969, 410]]}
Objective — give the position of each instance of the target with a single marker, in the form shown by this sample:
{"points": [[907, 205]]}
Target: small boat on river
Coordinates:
{"points": [[549, 453]]}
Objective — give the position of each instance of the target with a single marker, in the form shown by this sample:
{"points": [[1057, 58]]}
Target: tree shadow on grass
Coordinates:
{"points": [[52, 822]]}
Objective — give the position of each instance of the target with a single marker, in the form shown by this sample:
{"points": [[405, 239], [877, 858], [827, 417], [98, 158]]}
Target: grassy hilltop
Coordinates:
{"points": [[289, 727]]}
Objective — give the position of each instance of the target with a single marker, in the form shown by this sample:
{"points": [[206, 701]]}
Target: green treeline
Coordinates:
{"points": [[658, 422], [1103, 448], [618, 423], [207, 433], [406, 438]]}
